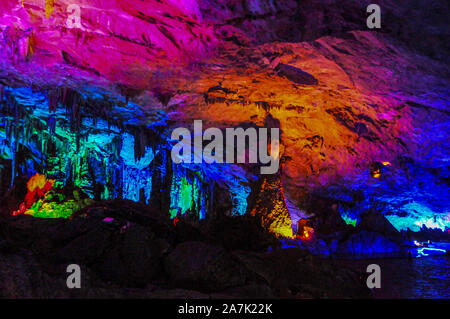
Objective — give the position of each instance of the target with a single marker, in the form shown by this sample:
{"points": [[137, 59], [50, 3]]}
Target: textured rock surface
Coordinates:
{"points": [[202, 266], [137, 263]]}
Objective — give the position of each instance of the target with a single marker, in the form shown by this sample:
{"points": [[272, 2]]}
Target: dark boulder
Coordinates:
{"points": [[88, 247], [19, 230], [132, 258], [250, 291], [238, 232], [373, 221], [204, 267], [184, 231], [296, 75], [294, 273], [327, 220], [141, 253]]}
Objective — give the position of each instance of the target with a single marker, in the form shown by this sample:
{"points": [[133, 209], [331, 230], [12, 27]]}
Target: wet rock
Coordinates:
{"points": [[200, 266]]}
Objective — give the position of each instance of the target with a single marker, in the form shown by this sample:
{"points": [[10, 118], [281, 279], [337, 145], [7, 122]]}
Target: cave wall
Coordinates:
{"points": [[368, 128]]}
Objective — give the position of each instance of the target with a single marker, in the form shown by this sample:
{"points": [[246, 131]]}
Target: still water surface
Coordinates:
{"points": [[427, 277]]}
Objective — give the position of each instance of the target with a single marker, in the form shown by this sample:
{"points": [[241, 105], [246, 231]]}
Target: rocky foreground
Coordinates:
{"points": [[124, 253]]}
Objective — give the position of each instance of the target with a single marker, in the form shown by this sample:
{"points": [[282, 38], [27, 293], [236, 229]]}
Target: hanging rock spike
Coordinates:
{"points": [[49, 8]]}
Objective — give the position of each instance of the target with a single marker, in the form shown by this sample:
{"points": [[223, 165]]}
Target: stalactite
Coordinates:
{"points": [[49, 8], [52, 124], [140, 142], [13, 152], [53, 100], [91, 149], [2, 93]]}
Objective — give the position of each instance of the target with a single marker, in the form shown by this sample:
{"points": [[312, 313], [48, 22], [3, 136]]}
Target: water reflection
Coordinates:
{"points": [[427, 277]]}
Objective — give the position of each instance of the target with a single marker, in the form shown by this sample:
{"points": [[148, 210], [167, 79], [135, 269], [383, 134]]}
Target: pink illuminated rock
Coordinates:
{"points": [[123, 41]]}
